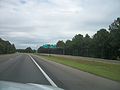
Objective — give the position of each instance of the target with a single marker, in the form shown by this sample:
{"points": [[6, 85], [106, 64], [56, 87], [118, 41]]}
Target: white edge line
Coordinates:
{"points": [[46, 76]]}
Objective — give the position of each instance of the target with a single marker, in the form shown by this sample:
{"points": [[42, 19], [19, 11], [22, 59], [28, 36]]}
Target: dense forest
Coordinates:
{"points": [[6, 47], [103, 44]]}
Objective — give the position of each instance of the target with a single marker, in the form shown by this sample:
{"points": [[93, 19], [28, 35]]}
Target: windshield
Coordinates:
{"points": [[68, 44]]}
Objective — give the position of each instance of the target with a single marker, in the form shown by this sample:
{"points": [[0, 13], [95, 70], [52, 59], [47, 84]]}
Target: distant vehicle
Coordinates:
{"points": [[5, 85]]}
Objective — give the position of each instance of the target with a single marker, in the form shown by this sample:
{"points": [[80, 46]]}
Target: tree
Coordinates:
{"points": [[61, 46], [77, 44], [28, 50], [2, 48], [87, 45], [12, 48], [101, 43], [68, 47], [114, 29], [6, 47], [21, 50]]}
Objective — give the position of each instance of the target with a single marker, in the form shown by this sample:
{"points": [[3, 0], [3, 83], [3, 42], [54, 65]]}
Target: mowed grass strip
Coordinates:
{"points": [[107, 70]]}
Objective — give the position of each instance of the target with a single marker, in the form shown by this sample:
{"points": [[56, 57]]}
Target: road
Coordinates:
{"points": [[21, 68]]}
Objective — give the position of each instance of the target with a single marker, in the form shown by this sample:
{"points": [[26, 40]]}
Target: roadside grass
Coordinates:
{"points": [[106, 70]]}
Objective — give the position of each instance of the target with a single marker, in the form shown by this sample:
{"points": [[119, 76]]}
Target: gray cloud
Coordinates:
{"points": [[36, 22]]}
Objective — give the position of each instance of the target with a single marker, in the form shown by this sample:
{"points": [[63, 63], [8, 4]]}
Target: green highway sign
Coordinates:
{"points": [[49, 46]]}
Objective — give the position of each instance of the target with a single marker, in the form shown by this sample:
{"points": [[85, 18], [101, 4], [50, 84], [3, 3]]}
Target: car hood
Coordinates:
{"points": [[5, 85]]}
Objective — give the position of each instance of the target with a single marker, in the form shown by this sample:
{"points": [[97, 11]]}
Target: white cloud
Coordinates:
{"points": [[33, 22]]}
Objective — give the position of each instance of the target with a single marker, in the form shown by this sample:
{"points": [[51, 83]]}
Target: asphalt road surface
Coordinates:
{"points": [[21, 68]]}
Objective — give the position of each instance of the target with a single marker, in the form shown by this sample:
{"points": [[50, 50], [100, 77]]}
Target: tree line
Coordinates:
{"points": [[6, 47], [103, 44], [27, 50]]}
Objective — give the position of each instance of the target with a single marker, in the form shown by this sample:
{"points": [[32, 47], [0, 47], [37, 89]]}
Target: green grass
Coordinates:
{"points": [[107, 70]]}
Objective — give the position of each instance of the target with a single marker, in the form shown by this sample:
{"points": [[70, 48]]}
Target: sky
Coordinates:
{"points": [[37, 22]]}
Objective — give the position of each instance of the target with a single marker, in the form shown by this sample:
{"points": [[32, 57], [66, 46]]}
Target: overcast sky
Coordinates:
{"points": [[36, 22]]}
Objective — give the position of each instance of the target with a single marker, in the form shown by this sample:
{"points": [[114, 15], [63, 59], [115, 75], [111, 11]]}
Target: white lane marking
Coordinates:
{"points": [[46, 76]]}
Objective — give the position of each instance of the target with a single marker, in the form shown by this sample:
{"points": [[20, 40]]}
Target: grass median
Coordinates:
{"points": [[107, 70]]}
